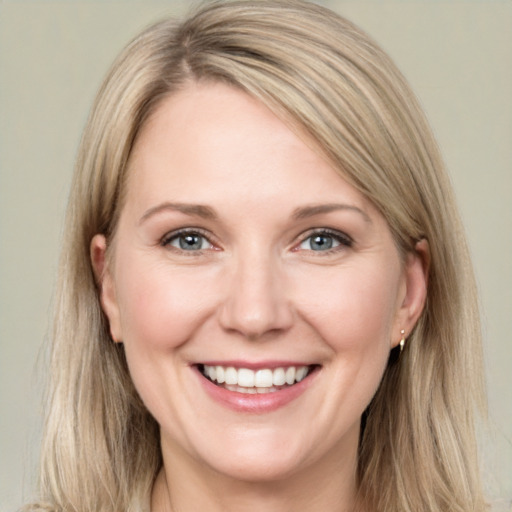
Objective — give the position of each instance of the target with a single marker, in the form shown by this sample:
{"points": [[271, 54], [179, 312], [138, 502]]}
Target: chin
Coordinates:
{"points": [[267, 454], [257, 468], [248, 453]]}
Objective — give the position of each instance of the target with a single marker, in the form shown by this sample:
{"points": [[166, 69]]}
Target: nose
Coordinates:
{"points": [[255, 302]]}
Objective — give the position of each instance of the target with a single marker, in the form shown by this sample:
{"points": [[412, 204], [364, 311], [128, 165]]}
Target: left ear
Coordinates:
{"points": [[413, 293], [105, 281]]}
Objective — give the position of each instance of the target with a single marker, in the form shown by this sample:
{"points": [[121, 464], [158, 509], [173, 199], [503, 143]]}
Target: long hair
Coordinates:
{"points": [[319, 73]]}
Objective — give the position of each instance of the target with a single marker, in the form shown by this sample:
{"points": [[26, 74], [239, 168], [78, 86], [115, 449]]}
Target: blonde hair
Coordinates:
{"points": [[318, 72]]}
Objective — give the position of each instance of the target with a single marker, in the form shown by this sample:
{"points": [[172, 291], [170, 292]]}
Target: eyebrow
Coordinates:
{"points": [[197, 210], [310, 211], [206, 212]]}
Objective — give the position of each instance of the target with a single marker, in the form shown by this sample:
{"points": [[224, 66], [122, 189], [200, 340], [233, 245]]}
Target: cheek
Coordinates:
{"points": [[352, 307], [160, 308]]}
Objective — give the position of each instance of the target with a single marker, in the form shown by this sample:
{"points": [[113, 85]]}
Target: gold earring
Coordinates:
{"points": [[402, 341]]}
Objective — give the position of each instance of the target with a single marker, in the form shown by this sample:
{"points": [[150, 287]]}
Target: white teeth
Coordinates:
{"points": [[278, 377], [220, 374], [263, 378], [239, 389], [212, 373], [301, 373], [244, 380], [230, 375]]}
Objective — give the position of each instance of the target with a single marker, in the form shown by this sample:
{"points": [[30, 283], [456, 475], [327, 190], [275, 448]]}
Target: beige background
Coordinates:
{"points": [[53, 54]]}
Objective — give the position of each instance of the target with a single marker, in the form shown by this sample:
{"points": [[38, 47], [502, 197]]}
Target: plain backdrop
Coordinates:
{"points": [[53, 55]]}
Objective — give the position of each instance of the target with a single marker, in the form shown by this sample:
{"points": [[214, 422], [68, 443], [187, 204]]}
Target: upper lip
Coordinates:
{"points": [[254, 365]]}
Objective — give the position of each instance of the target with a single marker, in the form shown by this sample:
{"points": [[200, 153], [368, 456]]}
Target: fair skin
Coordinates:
{"points": [[282, 264]]}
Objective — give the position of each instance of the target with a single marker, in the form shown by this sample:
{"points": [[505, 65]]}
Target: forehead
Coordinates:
{"points": [[211, 140]]}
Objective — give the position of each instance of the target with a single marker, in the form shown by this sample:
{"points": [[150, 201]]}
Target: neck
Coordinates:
{"points": [[190, 486]]}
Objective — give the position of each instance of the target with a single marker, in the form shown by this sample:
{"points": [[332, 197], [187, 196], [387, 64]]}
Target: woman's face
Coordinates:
{"points": [[242, 256]]}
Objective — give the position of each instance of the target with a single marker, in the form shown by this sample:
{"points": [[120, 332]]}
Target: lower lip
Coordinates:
{"points": [[257, 403]]}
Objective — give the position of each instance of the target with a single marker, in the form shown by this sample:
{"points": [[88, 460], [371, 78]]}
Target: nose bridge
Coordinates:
{"points": [[256, 301]]}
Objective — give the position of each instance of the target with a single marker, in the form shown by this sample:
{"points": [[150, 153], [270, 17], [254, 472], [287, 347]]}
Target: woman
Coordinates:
{"points": [[265, 296]]}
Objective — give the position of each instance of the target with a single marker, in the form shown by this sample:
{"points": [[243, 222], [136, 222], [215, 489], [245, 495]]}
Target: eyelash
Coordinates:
{"points": [[341, 238], [174, 235]]}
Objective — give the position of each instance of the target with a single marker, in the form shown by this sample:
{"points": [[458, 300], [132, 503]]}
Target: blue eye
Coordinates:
{"points": [[324, 241], [188, 241]]}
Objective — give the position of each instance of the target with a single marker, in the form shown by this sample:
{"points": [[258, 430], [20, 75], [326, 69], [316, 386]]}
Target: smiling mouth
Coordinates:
{"points": [[264, 380]]}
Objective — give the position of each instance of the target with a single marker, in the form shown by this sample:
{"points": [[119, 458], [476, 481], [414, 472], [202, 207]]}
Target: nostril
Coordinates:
{"points": [[255, 319]]}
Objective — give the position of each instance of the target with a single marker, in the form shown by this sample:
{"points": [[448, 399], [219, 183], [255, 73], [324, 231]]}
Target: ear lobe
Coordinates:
{"points": [[105, 284], [417, 264]]}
